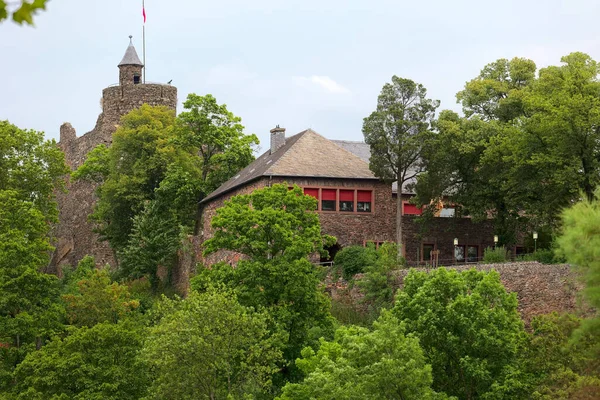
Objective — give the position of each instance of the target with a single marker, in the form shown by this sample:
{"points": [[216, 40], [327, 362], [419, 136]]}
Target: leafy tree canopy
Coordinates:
{"points": [[360, 364], [100, 362], [470, 331], [208, 346]]}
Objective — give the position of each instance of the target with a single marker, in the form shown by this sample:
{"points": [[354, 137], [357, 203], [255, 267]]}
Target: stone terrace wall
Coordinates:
{"points": [[540, 288]]}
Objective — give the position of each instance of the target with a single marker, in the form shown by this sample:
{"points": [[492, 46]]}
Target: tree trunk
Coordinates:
{"points": [[399, 220]]}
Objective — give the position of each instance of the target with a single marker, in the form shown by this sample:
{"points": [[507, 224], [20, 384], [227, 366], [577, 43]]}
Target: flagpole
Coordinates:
{"points": [[144, 39]]}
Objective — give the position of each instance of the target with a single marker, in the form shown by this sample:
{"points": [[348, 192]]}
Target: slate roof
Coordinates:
{"points": [[131, 57], [363, 150], [306, 154]]}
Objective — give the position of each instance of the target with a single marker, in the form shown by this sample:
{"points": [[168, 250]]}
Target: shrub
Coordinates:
{"points": [[378, 281], [353, 260], [497, 255]]}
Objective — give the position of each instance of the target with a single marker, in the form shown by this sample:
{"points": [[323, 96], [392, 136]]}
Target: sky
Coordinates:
{"points": [[297, 64]]}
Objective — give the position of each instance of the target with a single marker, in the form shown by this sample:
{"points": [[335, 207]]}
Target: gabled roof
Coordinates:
{"points": [[131, 57], [306, 154]]}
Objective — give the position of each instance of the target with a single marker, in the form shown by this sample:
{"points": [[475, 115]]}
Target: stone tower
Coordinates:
{"points": [[74, 236]]}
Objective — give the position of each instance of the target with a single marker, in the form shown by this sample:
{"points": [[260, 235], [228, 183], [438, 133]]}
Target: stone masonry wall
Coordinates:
{"points": [[74, 233], [377, 226], [540, 288]]}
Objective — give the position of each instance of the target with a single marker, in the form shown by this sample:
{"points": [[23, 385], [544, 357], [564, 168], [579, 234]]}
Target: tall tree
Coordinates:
{"points": [[276, 229], [397, 131]]}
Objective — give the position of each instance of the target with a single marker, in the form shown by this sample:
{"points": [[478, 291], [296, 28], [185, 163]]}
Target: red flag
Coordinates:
{"points": [[144, 13]]}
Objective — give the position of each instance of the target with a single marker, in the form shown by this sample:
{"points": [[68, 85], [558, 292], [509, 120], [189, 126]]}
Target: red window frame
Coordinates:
{"points": [[355, 195], [411, 209]]}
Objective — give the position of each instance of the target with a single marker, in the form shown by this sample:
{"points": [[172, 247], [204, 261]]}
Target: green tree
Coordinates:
{"points": [[100, 362], [21, 11], [396, 132], [94, 299], [379, 280], [360, 364], [276, 229], [208, 346], [470, 331], [217, 135], [353, 260], [30, 307], [269, 223]]}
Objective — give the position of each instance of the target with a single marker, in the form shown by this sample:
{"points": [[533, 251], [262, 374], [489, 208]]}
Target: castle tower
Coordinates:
{"points": [[130, 67], [74, 233]]}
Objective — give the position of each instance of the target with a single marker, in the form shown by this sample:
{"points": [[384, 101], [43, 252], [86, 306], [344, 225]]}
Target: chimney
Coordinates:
{"points": [[277, 138]]}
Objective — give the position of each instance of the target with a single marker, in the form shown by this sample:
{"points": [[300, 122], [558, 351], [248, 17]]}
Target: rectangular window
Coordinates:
{"points": [[312, 192], [411, 209], [472, 253], [347, 200], [447, 212], [364, 200], [328, 199], [459, 254], [427, 250]]}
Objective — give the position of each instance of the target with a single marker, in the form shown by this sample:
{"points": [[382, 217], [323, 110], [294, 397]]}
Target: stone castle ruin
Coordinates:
{"points": [[74, 233]]}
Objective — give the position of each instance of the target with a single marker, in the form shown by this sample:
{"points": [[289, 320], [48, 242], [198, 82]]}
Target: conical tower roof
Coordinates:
{"points": [[131, 57]]}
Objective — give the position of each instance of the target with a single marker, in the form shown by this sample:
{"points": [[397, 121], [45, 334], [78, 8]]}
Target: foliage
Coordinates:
{"points": [[154, 242], [94, 299], [378, 281], [24, 11], [578, 243], [495, 255], [547, 256], [90, 363], [362, 364], [470, 330], [208, 346], [272, 222], [130, 170], [397, 132], [564, 368], [31, 167], [352, 260], [212, 131], [290, 291]]}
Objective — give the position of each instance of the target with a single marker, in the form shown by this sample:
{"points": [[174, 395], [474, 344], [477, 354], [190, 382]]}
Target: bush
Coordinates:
{"points": [[497, 255], [353, 260], [378, 281]]}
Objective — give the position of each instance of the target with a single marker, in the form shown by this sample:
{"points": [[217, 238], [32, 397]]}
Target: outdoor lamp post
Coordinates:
{"points": [[495, 241], [535, 236]]}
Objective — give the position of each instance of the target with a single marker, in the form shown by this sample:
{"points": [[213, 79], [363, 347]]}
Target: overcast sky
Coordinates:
{"points": [[300, 64]]}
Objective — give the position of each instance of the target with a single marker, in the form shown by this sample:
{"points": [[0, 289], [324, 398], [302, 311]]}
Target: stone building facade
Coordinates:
{"points": [[74, 233], [353, 205]]}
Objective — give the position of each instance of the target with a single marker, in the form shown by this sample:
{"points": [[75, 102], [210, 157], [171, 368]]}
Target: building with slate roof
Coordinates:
{"points": [[354, 205]]}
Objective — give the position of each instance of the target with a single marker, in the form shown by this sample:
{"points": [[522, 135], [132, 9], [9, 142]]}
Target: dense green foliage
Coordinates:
{"points": [[90, 363], [154, 174], [275, 228], [396, 133], [378, 280], [525, 148], [470, 331], [361, 364], [352, 260], [208, 346]]}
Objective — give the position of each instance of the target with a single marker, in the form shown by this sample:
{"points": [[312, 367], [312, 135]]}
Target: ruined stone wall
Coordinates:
{"points": [[74, 233]]}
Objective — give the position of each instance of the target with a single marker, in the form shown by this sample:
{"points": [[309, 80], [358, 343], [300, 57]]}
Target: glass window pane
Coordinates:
{"points": [[363, 206], [472, 253], [328, 205], [459, 253]]}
